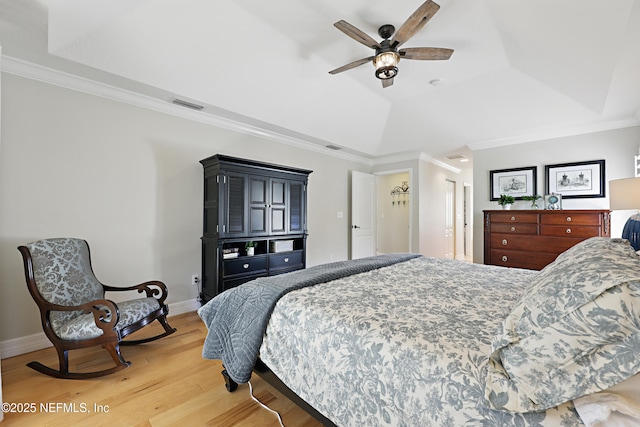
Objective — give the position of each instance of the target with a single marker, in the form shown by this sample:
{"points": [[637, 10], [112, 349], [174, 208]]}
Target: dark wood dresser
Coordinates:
{"points": [[534, 238]]}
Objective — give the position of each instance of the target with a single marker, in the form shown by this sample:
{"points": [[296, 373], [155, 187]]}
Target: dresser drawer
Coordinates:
{"points": [[518, 259], [550, 244], [289, 260], [513, 217], [569, 231], [514, 228], [571, 218], [244, 265]]}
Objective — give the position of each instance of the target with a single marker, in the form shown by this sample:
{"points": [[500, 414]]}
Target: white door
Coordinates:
{"points": [[363, 215], [449, 227]]}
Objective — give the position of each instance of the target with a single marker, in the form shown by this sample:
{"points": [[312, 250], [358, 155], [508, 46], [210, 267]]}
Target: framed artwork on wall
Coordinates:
{"points": [[517, 182], [577, 180]]}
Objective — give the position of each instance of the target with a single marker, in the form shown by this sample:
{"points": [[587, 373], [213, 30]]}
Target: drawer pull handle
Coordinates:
{"points": [[504, 258], [568, 231], [245, 265], [513, 218], [513, 229], [286, 260], [504, 242], [568, 219]]}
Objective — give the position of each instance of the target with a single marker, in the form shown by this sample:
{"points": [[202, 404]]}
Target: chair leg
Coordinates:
{"points": [[114, 351]]}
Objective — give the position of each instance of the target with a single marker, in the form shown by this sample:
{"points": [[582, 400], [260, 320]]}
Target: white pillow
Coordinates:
{"points": [[618, 406]]}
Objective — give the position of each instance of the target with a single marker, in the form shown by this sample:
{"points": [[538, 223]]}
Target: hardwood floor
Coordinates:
{"points": [[168, 384]]}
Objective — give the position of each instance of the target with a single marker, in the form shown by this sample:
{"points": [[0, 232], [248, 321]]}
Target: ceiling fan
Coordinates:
{"points": [[387, 54]]}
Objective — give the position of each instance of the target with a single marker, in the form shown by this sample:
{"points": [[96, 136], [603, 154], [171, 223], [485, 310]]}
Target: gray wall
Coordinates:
{"points": [[128, 180], [617, 147]]}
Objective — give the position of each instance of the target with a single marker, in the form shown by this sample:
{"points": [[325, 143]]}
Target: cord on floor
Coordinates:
{"points": [[264, 406]]}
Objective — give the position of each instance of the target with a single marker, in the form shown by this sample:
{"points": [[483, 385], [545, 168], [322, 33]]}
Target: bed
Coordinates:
{"points": [[407, 340]]}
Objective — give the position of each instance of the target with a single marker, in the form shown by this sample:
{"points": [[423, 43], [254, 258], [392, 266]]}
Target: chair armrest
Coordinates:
{"points": [[99, 308], [152, 288]]}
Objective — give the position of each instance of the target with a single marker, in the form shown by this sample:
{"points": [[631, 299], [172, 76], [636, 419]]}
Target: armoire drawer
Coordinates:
{"points": [[289, 260], [245, 265]]}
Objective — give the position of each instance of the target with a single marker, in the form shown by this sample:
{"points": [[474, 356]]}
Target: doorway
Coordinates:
{"points": [[450, 219], [394, 212]]}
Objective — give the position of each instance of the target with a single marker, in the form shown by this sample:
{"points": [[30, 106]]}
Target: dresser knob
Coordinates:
{"points": [[568, 231], [504, 258], [245, 265], [504, 242], [568, 219], [513, 229], [286, 260], [513, 218]]}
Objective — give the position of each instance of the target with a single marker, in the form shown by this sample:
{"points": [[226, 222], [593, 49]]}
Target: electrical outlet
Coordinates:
{"points": [[195, 280]]}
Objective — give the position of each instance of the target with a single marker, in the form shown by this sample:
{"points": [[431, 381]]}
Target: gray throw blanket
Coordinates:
{"points": [[237, 318]]}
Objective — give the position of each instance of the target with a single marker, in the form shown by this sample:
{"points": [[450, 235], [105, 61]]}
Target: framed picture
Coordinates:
{"points": [[576, 180], [518, 182]]}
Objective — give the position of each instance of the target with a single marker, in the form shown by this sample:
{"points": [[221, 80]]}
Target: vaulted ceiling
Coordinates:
{"points": [[521, 71]]}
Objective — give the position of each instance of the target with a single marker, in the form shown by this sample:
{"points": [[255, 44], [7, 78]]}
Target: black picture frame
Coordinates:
{"points": [[577, 180], [517, 182]]}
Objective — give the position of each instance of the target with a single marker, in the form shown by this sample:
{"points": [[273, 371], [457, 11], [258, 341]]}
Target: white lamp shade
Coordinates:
{"points": [[624, 194]]}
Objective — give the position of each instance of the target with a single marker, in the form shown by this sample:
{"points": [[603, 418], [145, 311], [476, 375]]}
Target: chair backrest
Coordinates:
{"points": [[63, 274]]}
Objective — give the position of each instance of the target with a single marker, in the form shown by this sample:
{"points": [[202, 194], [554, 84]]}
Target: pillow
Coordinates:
{"points": [[618, 406], [576, 330]]}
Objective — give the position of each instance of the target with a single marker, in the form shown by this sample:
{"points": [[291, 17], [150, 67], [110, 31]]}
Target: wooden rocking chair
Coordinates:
{"points": [[73, 308]]}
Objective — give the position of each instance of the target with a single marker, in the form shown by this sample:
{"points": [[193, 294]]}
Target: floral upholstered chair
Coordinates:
{"points": [[73, 308]]}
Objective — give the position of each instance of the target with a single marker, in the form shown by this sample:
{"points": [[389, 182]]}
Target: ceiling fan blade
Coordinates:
{"points": [[414, 23], [425, 53], [387, 82], [351, 65], [356, 34]]}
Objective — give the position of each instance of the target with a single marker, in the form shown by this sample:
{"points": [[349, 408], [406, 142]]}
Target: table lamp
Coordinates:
{"points": [[624, 194]]}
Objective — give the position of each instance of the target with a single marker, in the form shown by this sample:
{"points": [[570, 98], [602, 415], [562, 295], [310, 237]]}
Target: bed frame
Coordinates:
{"points": [[266, 374]]}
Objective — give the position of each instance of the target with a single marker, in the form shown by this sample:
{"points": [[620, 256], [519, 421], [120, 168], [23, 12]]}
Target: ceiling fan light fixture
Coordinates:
{"points": [[386, 64]]}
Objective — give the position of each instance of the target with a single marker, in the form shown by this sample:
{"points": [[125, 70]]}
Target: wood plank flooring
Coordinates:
{"points": [[168, 384]]}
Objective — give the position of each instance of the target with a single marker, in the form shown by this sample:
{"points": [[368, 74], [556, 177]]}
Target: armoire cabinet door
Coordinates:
{"points": [[296, 207], [258, 205], [235, 222], [278, 206]]}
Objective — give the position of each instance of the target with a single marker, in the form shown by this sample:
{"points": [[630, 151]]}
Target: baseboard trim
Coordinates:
{"points": [[29, 343]]}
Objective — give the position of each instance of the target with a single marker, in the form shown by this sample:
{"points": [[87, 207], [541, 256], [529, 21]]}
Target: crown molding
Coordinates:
{"points": [[48, 75], [557, 133]]}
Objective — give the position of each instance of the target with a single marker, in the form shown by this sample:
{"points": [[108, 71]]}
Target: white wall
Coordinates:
{"points": [[617, 147], [128, 180]]}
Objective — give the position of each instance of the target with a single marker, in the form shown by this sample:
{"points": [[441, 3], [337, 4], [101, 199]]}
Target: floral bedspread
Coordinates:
{"points": [[405, 345]]}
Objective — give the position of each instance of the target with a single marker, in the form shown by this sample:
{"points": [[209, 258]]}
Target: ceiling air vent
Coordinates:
{"points": [[333, 147], [187, 104], [455, 157]]}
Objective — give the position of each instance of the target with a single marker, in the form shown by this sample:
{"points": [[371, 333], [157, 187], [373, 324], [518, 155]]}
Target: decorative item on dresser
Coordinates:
{"points": [[255, 208], [533, 239]]}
